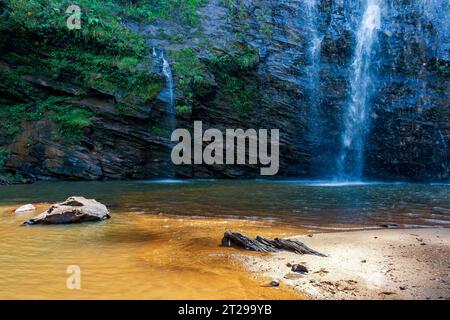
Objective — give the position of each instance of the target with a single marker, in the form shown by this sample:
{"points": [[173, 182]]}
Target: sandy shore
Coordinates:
{"points": [[375, 264]]}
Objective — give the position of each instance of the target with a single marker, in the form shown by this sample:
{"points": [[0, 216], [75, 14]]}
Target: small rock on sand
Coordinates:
{"points": [[273, 283], [299, 268], [396, 259]]}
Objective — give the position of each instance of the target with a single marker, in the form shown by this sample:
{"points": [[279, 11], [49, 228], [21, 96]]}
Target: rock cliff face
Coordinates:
{"points": [[262, 64]]}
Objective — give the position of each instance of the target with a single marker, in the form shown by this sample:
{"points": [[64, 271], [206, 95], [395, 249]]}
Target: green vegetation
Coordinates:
{"points": [[11, 118], [43, 21], [193, 78], [243, 58], [240, 94], [232, 70], [237, 9], [36, 45], [7, 177], [184, 110], [4, 154], [183, 11], [441, 67], [71, 122], [267, 30], [162, 132]]}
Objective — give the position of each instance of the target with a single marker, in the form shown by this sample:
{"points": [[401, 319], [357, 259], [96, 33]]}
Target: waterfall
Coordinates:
{"points": [[356, 116], [315, 40], [168, 93]]}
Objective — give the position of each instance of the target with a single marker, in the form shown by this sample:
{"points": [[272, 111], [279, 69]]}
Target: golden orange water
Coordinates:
{"points": [[163, 239], [130, 256]]}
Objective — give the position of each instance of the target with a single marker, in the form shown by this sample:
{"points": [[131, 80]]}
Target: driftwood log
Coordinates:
{"points": [[260, 244]]}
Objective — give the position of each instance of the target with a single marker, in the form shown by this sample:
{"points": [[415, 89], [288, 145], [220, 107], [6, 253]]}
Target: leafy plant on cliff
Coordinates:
{"points": [[8, 177], [193, 78], [71, 122], [242, 57], [184, 110], [238, 93], [44, 21], [183, 11], [162, 132], [4, 154], [36, 46], [233, 73], [11, 118]]}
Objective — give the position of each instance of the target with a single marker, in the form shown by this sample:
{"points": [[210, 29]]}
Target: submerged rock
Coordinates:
{"points": [[73, 210], [25, 208], [390, 225]]}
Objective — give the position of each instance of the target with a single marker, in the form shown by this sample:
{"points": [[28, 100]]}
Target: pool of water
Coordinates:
{"points": [[301, 203], [163, 238]]}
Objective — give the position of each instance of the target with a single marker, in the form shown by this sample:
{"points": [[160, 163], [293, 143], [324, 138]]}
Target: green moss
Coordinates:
{"points": [[192, 76], [152, 89], [184, 110], [267, 30], [242, 58], [43, 21], [238, 93], [13, 88], [4, 154], [183, 11], [233, 71], [8, 177], [103, 55], [71, 122], [11, 118], [162, 132], [12, 178]]}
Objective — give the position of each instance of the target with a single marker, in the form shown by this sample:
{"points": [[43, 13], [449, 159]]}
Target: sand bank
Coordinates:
{"points": [[375, 264]]}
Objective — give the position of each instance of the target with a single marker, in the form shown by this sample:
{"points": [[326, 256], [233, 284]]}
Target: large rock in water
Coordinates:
{"points": [[73, 210]]}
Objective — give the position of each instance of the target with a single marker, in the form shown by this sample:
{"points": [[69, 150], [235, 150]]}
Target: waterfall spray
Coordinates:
{"points": [[169, 93], [315, 40], [356, 117]]}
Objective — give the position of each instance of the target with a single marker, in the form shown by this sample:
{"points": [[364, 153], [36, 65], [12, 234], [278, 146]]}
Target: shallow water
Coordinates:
{"points": [[162, 240]]}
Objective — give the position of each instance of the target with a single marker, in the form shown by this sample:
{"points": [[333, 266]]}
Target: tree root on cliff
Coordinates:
{"points": [[260, 244]]}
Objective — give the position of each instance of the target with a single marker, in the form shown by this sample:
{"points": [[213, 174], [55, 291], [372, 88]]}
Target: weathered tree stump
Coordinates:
{"points": [[260, 244]]}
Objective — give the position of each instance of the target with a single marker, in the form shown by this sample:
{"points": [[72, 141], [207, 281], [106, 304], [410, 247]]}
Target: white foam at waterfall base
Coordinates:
{"points": [[356, 120]]}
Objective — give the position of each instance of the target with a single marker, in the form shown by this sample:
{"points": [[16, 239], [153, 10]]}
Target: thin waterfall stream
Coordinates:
{"points": [[169, 93], [313, 70]]}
